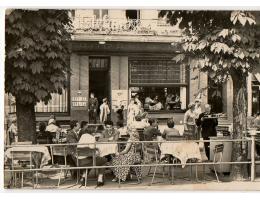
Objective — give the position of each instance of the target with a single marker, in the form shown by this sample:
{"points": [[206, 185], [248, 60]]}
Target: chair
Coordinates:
{"points": [[141, 134], [60, 151], [20, 161], [151, 156], [218, 155], [174, 160], [83, 153]]}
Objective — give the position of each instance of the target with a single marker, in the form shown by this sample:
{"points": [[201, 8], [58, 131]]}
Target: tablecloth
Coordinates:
{"points": [[44, 159], [182, 150], [107, 149]]}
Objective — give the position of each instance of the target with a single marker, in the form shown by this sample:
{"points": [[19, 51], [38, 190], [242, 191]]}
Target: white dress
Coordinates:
{"points": [[132, 111]]}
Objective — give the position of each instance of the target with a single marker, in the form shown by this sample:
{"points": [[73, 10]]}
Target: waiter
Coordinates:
{"points": [[92, 108], [208, 124]]}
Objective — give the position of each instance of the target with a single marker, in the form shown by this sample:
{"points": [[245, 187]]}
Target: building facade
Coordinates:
{"points": [[120, 53]]}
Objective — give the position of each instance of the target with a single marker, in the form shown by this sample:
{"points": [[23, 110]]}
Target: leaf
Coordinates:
{"points": [[36, 67], [202, 44], [251, 20], [235, 38], [234, 15], [242, 18], [178, 58], [223, 33]]}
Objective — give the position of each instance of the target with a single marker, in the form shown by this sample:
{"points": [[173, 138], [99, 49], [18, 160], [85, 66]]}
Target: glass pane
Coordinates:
{"points": [[156, 72]]}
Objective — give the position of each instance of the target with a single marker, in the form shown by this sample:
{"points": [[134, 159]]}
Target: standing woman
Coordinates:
{"points": [[189, 122], [131, 111], [104, 111]]}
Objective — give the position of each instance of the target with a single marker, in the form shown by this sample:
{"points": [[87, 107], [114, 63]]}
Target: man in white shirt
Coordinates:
{"points": [[88, 161]]}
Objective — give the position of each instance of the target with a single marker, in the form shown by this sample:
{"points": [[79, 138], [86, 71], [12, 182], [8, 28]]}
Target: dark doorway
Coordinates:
{"points": [[132, 14], [99, 78]]}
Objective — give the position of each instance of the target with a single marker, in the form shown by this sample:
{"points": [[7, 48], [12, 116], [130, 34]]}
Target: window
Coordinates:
{"points": [[96, 63], [58, 103], [99, 14], [157, 72], [161, 84], [158, 98]]}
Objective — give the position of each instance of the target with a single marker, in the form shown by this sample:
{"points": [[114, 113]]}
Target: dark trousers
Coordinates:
{"points": [[207, 148], [93, 116]]}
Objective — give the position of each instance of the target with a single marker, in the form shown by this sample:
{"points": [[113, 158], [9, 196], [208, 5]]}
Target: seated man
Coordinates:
{"points": [[151, 132], [88, 161], [72, 137], [170, 131], [110, 133]]}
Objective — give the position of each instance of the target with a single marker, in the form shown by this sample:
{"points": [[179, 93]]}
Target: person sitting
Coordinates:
{"points": [[72, 137], [87, 137], [42, 137], [138, 123], [110, 133], [121, 129], [128, 156], [83, 126], [168, 101], [170, 131], [177, 101], [151, 132], [52, 128]]}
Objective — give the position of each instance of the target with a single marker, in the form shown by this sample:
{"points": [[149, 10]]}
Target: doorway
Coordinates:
{"points": [[99, 78]]}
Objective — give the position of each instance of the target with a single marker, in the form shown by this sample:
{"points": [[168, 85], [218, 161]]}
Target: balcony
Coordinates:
{"points": [[127, 27]]}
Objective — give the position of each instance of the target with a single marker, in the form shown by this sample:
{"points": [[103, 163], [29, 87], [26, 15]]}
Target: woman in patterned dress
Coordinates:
{"points": [[127, 157]]}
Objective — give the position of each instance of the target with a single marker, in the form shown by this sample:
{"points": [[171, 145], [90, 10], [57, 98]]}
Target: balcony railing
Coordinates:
{"points": [[124, 27]]}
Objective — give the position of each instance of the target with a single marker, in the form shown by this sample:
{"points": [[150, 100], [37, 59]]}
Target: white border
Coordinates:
{"points": [[114, 4]]}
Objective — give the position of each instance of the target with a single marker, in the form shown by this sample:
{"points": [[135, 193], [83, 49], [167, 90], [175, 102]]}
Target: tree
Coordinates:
{"points": [[36, 62], [223, 44]]}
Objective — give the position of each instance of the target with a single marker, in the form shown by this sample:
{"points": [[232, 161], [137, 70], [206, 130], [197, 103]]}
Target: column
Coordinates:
{"points": [[79, 85]]}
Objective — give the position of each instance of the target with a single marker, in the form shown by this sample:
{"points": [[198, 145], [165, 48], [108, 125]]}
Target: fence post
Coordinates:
{"points": [[252, 134]]}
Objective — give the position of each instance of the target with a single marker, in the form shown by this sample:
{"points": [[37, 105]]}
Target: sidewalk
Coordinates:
{"points": [[182, 181]]}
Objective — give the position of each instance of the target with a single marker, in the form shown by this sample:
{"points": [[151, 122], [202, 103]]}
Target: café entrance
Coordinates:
{"points": [[99, 77]]}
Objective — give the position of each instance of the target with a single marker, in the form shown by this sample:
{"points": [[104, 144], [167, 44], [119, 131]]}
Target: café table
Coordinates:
{"points": [[182, 150], [104, 146], [40, 154]]}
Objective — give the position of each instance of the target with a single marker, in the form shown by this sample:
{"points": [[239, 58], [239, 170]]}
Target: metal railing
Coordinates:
{"points": [[252, 160], [109, 26]]}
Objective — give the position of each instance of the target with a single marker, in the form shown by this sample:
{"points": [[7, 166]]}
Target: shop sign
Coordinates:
{"points": [[79, 101]]}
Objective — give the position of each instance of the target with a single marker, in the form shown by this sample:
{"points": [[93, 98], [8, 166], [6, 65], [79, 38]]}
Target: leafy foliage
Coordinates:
{"points": [[37, 53], [217, 42]]}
